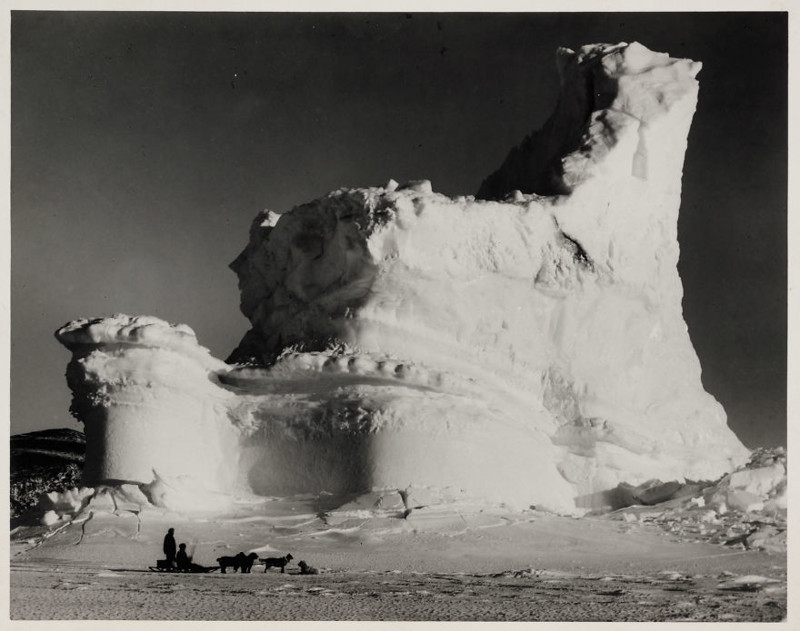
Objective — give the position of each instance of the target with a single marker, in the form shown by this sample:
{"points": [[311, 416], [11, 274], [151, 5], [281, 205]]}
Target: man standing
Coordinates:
{"points": [[169, 547]]}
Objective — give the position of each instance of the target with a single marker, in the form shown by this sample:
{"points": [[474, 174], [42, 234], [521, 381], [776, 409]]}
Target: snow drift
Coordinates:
{"points": [[518, 348]]}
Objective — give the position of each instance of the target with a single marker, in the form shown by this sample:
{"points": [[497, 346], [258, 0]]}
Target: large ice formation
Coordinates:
{"points": [[153, 412], [517, 348]]}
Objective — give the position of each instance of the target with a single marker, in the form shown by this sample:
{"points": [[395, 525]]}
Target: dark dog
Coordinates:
{"points": [[280, 562], [234, 562], [247, 562], [241, 562], [305, 568]]}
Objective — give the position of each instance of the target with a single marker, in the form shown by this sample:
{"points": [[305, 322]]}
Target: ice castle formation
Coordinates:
{"points": [[524, 347]]}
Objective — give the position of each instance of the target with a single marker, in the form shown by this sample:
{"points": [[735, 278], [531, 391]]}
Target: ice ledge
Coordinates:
{"points": [[84, 334]]}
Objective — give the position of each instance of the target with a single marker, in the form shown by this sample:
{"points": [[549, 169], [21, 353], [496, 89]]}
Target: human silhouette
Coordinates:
{"points": [[184, 560], [169, 547]]}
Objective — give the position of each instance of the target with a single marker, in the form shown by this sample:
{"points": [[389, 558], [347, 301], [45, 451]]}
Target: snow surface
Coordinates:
{"points": [[530, 351], [439, 563], [379, 545]]}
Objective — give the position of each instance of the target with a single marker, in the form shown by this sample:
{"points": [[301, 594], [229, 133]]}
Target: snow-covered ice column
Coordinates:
{"points": [[530, 350], [153, 413]]}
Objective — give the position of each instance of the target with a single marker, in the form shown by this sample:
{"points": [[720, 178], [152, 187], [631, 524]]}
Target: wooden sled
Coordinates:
{"points": [[161, 566]]}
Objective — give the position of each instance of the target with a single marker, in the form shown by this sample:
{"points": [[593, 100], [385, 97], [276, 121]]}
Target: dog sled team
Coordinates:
{"points": [[179, 560], [243, 562]]}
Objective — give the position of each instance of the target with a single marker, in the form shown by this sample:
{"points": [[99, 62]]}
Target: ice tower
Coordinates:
{"points": [[524, 346]]}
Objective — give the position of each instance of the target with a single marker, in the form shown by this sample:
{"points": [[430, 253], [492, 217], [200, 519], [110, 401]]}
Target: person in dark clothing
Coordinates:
{"points": [[169, 547], [183, 560]]}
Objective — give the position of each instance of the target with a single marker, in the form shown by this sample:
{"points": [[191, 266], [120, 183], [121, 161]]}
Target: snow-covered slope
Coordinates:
{"points": [[526, 351]]}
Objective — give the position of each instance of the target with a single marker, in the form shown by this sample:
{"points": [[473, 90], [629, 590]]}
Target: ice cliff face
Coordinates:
{"points": [[528, 351]]}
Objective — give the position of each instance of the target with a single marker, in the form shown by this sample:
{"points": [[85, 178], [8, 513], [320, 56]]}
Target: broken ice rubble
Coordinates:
{"points": [[745, 508]]}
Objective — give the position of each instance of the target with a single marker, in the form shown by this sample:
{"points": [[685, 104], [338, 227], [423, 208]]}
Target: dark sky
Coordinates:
{"points": [[143, 144]]}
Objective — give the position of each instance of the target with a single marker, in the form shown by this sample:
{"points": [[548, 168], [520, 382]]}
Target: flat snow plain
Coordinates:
{"points": [[443, 563]]}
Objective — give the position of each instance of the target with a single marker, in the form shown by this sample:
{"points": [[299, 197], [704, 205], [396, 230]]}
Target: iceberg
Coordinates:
{"points": [[524, 346]]}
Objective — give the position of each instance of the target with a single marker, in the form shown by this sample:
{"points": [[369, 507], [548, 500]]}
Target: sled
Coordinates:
{"points": [[161, 566], [173, 570]]}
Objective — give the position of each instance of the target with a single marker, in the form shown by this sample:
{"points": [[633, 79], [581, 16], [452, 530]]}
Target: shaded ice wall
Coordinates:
{"points": [[529, 351]]}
